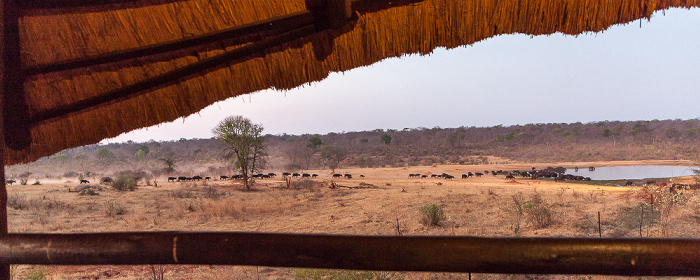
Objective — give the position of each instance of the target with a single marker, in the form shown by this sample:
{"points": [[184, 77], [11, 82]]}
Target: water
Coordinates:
{"points": [[633, 172]]}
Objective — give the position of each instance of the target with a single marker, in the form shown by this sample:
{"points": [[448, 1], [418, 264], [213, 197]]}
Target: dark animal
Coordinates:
{"points": [[172, 179], [362, 176], [337, 175], [106, 180], [651, 182], [223, 177], [314, 175], [478, 174], [294, 175], [306, 175], [272, 175], [285, 174], [448, 177], [465, 176], [559, 179], [198, 178], [348, 176], [591, 168], [423, 176], [470, 174], [84, 182], [434, 176], [510, 177], [629, 183], [181, 178], [207, 178], [10, 182]]}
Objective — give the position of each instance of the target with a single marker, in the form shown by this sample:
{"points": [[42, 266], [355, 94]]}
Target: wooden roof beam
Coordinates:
{"points": [[237, 55], [238, 35]]}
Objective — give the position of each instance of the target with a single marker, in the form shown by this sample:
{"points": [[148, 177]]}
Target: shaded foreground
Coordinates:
{"points": [[386, 202]]}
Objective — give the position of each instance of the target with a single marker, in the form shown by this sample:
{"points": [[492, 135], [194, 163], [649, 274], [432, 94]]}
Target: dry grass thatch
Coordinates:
{"points": [[50, 36]]}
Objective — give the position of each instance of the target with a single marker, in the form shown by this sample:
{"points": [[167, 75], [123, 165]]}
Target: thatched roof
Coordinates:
{"points": [[71, 104]]}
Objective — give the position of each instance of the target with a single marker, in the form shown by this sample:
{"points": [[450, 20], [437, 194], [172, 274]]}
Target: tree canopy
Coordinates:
{"points": [[244, 145]]}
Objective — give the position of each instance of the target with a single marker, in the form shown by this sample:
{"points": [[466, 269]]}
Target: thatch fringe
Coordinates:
{"points": [[418, 28]]}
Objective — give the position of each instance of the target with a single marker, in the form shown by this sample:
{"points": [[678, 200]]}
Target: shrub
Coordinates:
{"points": [[115, 208], [318, 274], [124, 183], [182, 193], [432, 214], [23, 181], [17, 202], [211, 192], [70, 174], [538, 213]]}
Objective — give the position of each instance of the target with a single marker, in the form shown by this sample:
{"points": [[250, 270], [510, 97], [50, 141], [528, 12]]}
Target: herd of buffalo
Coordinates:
{"points": [[556, 173]]}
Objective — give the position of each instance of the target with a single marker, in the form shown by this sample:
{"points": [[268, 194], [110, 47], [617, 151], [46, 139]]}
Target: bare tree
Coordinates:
{"points": [[332, 156]]}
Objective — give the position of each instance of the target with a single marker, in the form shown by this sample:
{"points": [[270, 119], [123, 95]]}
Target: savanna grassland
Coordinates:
{"points": [[383, 202]]}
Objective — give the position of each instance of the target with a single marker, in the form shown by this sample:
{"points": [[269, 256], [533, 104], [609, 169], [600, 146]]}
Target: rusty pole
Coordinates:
{"points": [[622, 256]]}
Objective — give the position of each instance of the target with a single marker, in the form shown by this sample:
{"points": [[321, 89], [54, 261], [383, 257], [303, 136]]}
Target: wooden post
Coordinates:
{"points": [[600, 232]]}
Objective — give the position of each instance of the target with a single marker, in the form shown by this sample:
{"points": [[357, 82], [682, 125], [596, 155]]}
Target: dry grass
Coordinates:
{"points": [[385, 202]]}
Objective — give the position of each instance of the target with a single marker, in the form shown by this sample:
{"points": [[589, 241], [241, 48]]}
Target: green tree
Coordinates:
{"points": [[244, 145], [314, 142], [142, 152], [103, 153], [332, 156], [510, 136], [386, 138], [607, 133]]}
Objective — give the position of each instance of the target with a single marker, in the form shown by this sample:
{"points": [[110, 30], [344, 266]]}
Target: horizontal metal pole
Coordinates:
{"points": [[620, 256]]}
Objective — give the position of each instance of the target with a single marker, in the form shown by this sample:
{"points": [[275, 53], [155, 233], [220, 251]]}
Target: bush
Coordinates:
{"points": [[318, 274], [124, 183], [70, 174], [115, 208], [17, 202], [182, 193], [432, 214], [23, 181], [537, 211]]}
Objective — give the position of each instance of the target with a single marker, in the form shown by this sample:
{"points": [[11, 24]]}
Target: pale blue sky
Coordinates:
{"points": [[625, 73]]}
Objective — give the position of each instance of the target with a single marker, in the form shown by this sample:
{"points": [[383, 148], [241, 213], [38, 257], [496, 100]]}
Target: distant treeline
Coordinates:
{"points": [[552, 142]]}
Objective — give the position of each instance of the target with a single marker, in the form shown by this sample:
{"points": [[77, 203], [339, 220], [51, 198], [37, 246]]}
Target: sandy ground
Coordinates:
{"points": [[384, 202]]}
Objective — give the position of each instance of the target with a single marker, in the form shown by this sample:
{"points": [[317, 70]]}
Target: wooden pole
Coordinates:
{"points": [[604, 256], [15, 111], [4, 265], [600, 231]]}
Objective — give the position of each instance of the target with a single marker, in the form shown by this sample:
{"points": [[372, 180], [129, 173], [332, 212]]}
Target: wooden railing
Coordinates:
{"points": [[619, 256]]}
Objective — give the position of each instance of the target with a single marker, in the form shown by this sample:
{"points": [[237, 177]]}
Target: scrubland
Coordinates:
{"points": [[384, 202]]}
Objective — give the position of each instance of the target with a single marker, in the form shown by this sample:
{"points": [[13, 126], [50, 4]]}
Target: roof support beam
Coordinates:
{"points": [[618, 256], [15, 111], [4, 264], [234, 36], [235, 56]]}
